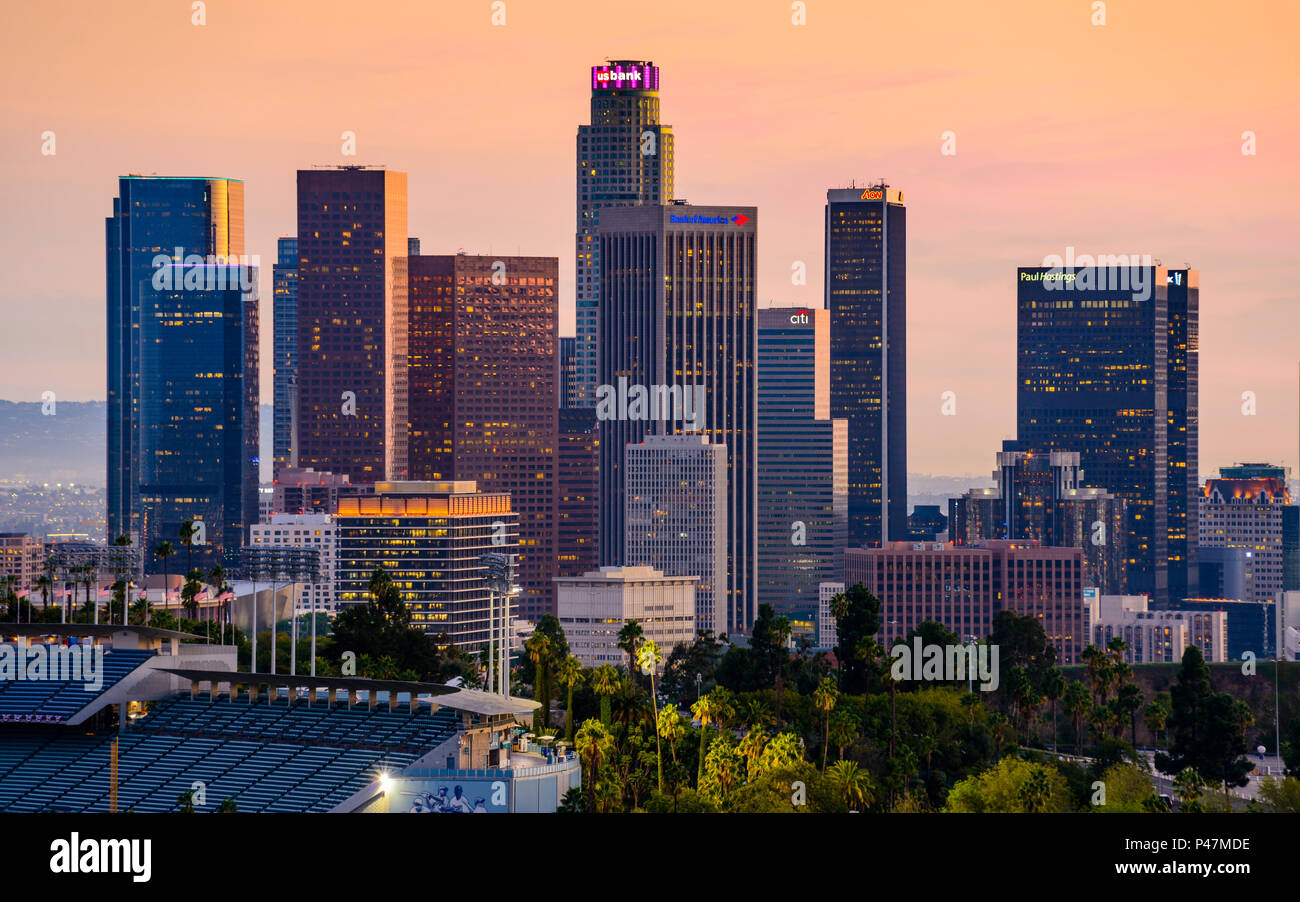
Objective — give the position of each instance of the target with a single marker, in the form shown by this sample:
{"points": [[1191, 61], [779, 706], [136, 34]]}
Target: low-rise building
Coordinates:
{"points": [[595, 606]]}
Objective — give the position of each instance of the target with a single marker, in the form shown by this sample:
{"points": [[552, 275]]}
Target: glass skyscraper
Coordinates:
{"points": [[1093, 376], [677, 304], [866, 294], [182, 380], [802, 462], [625, 158], [352, 330], [1183, 286], [285, 350], [482, 373]]}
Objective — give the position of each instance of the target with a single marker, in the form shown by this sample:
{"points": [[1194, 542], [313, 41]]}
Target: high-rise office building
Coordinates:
{"points": [[677, 288], [802, 462], [866, 294], [1093, 377], [577, 488], [155, 220], [1245, 511], [352, 331], [21, 556], [568, 372], [965, 588], [1042, 498], [285, 353], [624, 157], [483, 368], [1183, 430], [676, 517], [430, 538]]}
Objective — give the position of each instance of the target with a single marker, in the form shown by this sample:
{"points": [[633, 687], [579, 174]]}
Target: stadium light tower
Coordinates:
{"points": [[501, 581]]}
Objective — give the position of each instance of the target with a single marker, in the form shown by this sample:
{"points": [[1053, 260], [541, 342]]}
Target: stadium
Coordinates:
{"points": [[152, 721]]}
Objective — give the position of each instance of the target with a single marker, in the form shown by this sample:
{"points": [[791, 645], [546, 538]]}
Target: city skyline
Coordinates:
{"points": [[1106, 171]]}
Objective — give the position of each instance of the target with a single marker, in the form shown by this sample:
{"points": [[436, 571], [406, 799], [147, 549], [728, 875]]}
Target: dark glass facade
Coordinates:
{"points": [[577, 475], [1183, 287], [352, 329], [1092, 376], [160, 222], [285, 350], [483, 371], [866, 293], [677, 309], [198, 451], [802, 462]]}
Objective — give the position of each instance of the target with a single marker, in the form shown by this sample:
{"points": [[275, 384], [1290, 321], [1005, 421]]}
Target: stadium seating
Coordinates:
{"points": [[53, 700], [266, 756]]}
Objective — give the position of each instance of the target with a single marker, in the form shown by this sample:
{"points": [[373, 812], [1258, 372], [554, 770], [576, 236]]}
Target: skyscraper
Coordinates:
{"points": [[677, 287], [483, 369], [568, 372], [182, 362], [1244, 509], [676, 517], [285, 349], [802, 462], [1183, 286], [577, 487], [352, 392], [624, 157], [1093, 376], [866, 294], [430, 536]]}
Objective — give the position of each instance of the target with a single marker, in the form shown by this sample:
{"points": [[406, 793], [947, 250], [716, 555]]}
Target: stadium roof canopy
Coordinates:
{"points": [[471, 700], [94, 630]]}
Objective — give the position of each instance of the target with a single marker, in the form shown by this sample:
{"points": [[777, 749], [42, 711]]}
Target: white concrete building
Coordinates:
{"points": [[676, 498], [827, 634], [594, 607], [1156, 636], [305, 531]]}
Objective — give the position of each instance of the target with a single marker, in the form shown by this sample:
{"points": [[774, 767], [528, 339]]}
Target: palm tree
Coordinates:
{"points": [[88, 574], [44, 583], [852, 783], [1077, 704], [539, 650], [752, 748], [593, 741], [187, 533], [670, 727], [824, 698], [218, 577], [1156, 718], [604, 682], [628, 639], [1053, 689], [162, 552], [649, 658], [7, 583], [190, 593], [757, 713], [569, 673], [703, 711]]}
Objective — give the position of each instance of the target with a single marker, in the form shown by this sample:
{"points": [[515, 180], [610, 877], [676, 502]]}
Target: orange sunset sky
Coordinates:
{"points": [[1121, 138]]}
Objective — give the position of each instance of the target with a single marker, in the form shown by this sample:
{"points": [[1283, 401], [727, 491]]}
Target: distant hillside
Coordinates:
{"points": [[65, 447]]}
